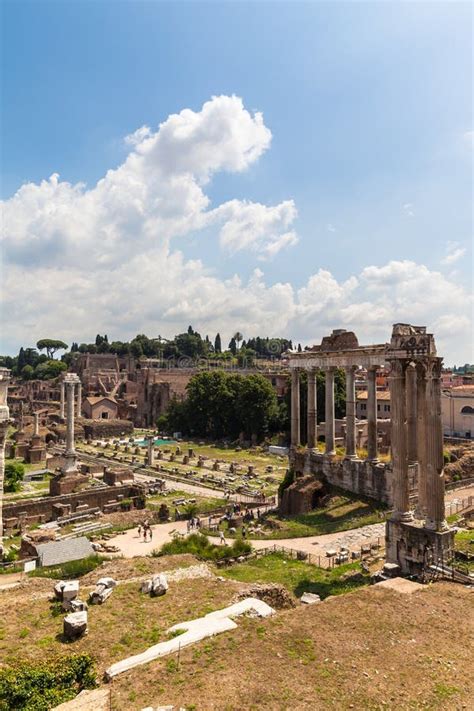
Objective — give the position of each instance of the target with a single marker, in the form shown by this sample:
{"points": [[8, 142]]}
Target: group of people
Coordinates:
{"points": [[145, 529], [193, 524]]}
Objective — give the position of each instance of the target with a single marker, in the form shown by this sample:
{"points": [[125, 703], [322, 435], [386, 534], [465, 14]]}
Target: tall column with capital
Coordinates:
{"points": [[312, 409], [420, 510], [435, 516], [70, 465], [411, 381], [350, 413], [295, 407], [372, 414], [61, 405], [79, 399], [329, 416], [4, 423], [400, 488]]}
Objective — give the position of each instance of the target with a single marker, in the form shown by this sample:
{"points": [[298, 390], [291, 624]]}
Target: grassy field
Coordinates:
{"points": [[297, 576], [350, 652], [203, 504], [342, 513]]}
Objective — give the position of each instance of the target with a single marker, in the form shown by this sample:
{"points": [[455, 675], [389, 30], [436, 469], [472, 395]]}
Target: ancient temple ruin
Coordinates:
{"points": [[413, 482]]}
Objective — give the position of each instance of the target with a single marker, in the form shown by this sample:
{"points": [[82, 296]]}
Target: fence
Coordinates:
{"points": [[331, 559], [454, 507]]}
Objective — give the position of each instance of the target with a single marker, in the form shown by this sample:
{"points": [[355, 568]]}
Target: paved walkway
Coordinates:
{"points": [[131, 545]]}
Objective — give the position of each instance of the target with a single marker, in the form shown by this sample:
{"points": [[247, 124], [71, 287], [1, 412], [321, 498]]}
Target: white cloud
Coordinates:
{"points": [[330, 227], [80, 261], [453, 253], [408, 209]]}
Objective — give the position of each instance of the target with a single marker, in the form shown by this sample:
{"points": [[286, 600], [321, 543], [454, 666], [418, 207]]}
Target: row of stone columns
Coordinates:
{"points": [[415, 394], [78, 400], [330, 440]]}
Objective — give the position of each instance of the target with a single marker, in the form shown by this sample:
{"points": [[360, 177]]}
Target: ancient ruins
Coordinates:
{"points": [[416, 537]]}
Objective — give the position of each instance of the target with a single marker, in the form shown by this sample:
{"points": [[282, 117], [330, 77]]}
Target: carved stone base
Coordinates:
{"points": [[412, 546], [67, 484]]}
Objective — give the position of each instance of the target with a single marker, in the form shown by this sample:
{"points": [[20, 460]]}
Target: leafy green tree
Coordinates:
{"points": [[218, 343], [238, 338], [256, 405], [50, 369], [14, 473], [50, 345], [233, 345], [27, 372]]}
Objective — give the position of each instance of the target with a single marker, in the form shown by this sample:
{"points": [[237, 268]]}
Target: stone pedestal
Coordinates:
{"points": [[414, 547], [67, 484]]}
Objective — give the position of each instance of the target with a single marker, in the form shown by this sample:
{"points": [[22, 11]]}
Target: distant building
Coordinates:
{"points": [[457, 410], [383, 405], [100, 408]]}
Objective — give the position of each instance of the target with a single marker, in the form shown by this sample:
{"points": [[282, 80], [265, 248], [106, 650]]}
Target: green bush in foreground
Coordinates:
{"points": [[39, 687], [68, 571], [198, 545]]}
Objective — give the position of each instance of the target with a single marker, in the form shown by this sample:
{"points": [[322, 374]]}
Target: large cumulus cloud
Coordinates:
{"points": [[80, 260]]}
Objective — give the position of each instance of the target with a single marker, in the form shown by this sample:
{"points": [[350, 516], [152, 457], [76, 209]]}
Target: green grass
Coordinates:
{"points": [[203, 503], [343, 513], [296, 575], [200, 546], [68, 571]]}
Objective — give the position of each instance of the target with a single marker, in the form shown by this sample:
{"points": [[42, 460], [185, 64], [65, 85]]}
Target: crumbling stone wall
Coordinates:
{"points": [[41, 510]]}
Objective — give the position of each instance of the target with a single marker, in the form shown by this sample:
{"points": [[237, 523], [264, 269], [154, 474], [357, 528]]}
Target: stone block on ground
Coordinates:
{"points": [[159, 585], [75, 625], [70, 590], [310, 598], [102, 591]]}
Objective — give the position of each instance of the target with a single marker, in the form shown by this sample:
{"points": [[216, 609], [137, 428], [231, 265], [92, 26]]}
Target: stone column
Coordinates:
{"points": [[329, 416], [36, 429], [420, 510], [79, 400], [70, 464], [295, 408], [372, 414], [4, 422], [350, 413], [411, 383], [435, 516], [61, 408], [312, 409], [151, 452], [400, 493]]}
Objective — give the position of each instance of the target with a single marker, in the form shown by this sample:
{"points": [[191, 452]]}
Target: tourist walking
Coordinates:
{"points": [[222, 538]]}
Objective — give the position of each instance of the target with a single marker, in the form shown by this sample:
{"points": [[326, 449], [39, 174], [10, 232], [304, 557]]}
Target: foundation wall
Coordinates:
{"points": [[41, 510]]}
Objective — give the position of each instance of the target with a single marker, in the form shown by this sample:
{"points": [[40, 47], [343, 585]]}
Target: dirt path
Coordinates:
{"points": [[131, 545]]}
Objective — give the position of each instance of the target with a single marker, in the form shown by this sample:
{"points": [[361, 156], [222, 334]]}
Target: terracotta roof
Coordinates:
{"points": [[381, 395], [94, 400]]}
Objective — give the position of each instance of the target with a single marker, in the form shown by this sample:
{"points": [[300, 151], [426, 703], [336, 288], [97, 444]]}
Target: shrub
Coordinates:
{"points": [[39, 687], [14, 473], [68, 571], [199, 545]]}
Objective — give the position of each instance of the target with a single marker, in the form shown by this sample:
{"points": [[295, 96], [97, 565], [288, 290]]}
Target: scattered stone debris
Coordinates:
{"points": [[310, 598], [102, 591], [277, 596], [155, 586], [75, 625]]}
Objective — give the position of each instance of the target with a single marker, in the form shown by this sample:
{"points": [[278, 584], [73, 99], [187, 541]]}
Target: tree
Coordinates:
{"points": [[217, 343], [14, 473], [27, 372], [50, 369], [233, 346], [238, 337], [50, 345]]}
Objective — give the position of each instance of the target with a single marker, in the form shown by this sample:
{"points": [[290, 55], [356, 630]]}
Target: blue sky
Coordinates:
{"points": [[369, 106]]}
